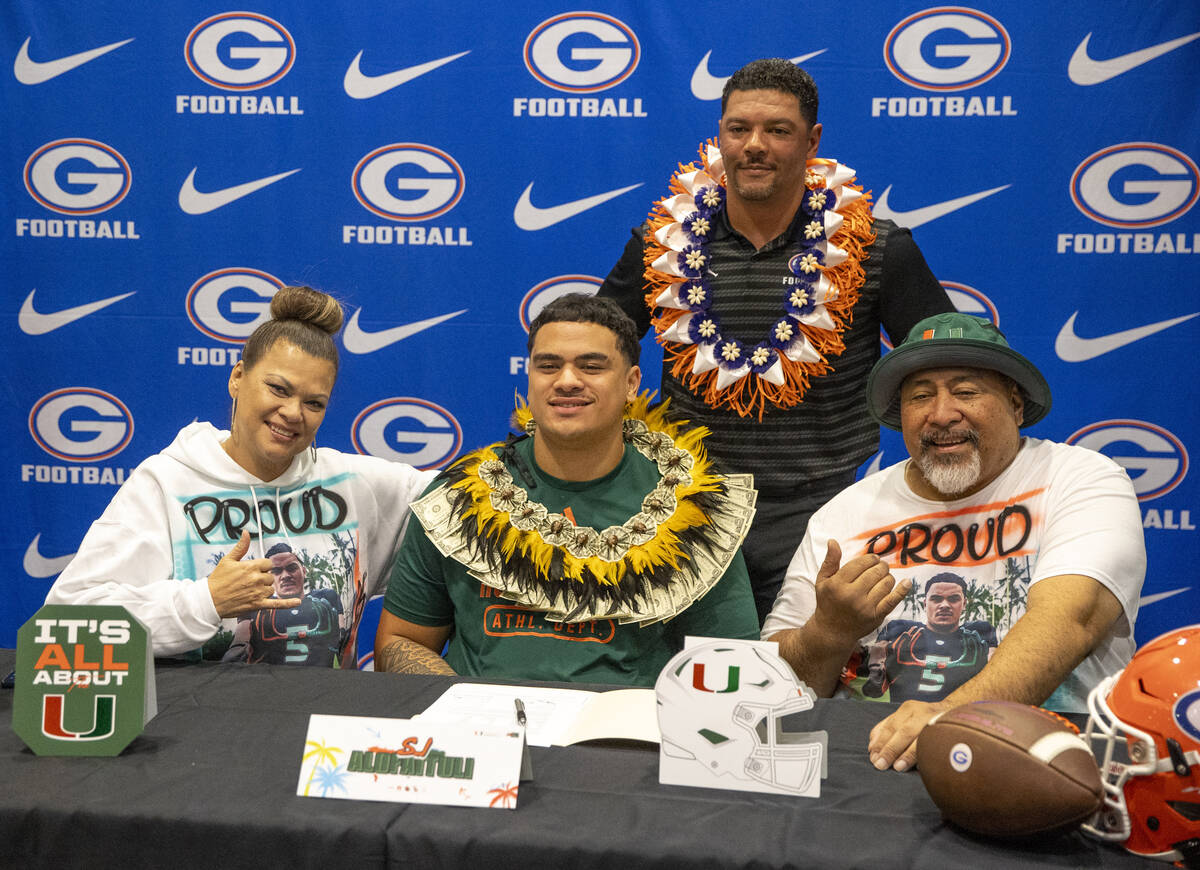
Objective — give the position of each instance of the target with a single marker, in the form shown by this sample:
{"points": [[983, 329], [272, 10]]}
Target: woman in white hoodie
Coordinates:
{"points": [[253, 544]]}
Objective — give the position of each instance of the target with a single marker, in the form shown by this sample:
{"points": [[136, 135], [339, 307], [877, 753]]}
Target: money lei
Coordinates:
{"points": [[649, 568]]}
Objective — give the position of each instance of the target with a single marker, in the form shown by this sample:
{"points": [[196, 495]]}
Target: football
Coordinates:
{"points": [[1008, 770]]}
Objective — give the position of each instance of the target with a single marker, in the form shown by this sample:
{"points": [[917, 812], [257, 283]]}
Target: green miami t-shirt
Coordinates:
{"points": [[493, 637]]}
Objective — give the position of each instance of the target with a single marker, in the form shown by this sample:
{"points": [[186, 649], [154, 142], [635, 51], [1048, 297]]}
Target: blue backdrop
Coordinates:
{"points": [[445, 169]]}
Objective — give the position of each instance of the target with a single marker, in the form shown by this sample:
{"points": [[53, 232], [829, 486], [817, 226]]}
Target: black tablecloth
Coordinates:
{"points": [[211, 783]]}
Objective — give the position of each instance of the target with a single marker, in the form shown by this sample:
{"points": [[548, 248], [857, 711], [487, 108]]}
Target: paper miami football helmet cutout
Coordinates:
{"points": [[721, 710], [1146, 719]]}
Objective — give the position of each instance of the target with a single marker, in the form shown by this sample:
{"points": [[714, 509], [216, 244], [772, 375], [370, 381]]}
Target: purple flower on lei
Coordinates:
{"points": [[697, 227], [730, 354], [784, 332], [710, 199], [693, 261], [761, 357], [801, 299], [807, 265], [817, 202], [704, 328], [695, 294]]}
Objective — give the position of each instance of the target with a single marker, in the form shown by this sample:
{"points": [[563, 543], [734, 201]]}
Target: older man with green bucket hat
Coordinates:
{"points": [[1048, 534]]}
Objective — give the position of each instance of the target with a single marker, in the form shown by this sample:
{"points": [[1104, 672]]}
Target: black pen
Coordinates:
{"points": [[520, 711]]}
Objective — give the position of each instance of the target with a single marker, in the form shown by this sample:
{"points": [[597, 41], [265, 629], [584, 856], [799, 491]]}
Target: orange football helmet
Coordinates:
{"points": [[1147, 720]]}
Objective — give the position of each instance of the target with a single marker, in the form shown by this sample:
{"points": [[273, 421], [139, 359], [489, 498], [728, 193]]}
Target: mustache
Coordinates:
{"points": [[949, 436]]}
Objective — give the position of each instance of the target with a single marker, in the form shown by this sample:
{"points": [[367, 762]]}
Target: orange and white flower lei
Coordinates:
{"points": [[806, 336]]}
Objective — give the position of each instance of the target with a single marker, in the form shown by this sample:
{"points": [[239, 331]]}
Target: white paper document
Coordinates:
{"points": [[553, 717]]}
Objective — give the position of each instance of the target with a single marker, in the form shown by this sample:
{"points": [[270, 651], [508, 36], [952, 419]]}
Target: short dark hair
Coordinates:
{"points": [[775, 74], [281, 547], [582, 308], [946, 577]]}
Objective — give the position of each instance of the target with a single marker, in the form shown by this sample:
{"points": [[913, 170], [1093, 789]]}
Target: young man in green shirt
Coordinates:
{"points": [[584, 551]]}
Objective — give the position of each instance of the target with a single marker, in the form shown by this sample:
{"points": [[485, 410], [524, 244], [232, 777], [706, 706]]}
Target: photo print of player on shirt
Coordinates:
{"points": [[315, 633], [950, 641]]}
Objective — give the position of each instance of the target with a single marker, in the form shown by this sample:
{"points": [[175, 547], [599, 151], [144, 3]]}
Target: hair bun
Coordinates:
{"points": [[308, 306]]}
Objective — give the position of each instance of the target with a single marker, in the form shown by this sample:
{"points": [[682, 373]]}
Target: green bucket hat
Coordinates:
{"points": [[948, 341]]}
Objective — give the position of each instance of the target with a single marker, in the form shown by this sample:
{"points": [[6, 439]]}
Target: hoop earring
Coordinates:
{"points": [[312, 447]]}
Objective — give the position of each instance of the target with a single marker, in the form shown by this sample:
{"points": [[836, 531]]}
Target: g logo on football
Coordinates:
{"points": [[432, 177], [603, 51], [240, 51], [552, 288], [77, 176], [421, 433], [1135, 185], [1157, 465], [949, 48], [60, 422], [231, 321]]}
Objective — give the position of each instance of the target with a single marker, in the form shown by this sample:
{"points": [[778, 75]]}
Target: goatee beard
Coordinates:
{"points": [[950, 475]]}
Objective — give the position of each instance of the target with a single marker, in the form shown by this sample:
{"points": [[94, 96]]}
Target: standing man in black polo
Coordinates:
{"points": [[767, 279]]}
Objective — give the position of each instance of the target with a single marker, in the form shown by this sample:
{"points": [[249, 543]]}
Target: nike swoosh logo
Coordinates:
{"points": [[918, 216], [38, 323], [37, 565], [1160, 596], [193, 201], [363, 87], [1083, 70], [356, 340], [528, 216], [1071, 348], [32, 72], [706, 86]]}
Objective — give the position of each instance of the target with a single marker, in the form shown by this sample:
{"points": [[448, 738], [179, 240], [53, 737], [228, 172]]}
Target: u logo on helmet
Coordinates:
{"points": [[1135, 185], [229, 304], [77, 176], [552, 288], [81, 424], [240, 51], [1154, 457], [582, 52], [407, 181], [402, 429], [732, 673], [949, 48]]}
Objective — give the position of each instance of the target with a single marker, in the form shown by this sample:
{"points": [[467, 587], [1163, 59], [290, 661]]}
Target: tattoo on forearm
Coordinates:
{"points": [[404, 656]]}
